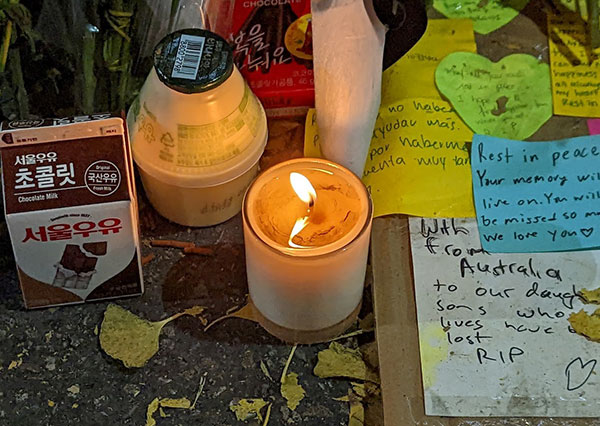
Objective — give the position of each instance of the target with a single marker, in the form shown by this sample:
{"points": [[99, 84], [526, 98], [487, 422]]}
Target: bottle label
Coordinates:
{"points": [[189, 55]]}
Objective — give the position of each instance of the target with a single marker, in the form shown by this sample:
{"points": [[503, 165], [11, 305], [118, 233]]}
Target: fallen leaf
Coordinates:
{"points": [[265, 370], [74, 390], [591, 296], [248, 408], [200, 389], [51, 403], [158, 404], [340, 361], [75, 405], [152, 408], [175, 403], [245, 312], [357, 414], [266, 422], [131, 339], [292, 391], [587, 325], [357, 410], [15, 364]]}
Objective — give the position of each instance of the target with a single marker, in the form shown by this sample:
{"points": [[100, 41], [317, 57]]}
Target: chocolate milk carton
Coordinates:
{"points": [[71, 210]]}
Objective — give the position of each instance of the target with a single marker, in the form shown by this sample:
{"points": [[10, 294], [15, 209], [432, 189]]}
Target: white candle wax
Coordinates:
{"points": [[315, 279]]}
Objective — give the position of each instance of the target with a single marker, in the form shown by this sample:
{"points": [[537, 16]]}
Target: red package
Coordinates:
{"points": [[272, 40]]}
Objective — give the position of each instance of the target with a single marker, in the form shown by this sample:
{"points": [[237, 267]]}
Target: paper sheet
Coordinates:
{"points": [[443, 36], [418, 162], [575, 70], [493, 330], [487, 15], [510, 98], [537, 196], [594, 126]]}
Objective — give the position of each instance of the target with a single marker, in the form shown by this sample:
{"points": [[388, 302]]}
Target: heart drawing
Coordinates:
{"points": [[578, 373], [511, 98], [487, 15], [586, 232]]}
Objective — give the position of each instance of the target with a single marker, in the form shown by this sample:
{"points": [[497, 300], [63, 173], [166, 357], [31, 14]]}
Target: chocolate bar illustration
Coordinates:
{"points": [[76, 268]]}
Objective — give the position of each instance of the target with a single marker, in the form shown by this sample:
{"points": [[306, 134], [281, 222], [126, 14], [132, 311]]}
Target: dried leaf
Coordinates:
{"points": [[340, 361], [357, 414], [15, 364], [591, 296], [357, 410], [131, 339], [200, 389], [245, 312], [587, 325], [266, 422], [248, 408], [292, 391], [152, 408], [158, 404], [74, 390], [265, 370]]}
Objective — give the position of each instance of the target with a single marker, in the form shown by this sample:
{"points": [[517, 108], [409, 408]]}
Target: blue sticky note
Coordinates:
{"points": [[537, 196]]}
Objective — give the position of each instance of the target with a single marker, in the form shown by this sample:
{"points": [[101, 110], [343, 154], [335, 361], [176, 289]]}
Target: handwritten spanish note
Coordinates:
{"points": [[493, 330], [510, 98], [418, 161], [443, 36], [537, 196], [594, 126], [575, 68], [487, 15]]}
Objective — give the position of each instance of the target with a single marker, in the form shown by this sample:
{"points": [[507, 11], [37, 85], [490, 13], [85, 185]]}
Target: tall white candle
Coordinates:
{"points": [[307, 226]]}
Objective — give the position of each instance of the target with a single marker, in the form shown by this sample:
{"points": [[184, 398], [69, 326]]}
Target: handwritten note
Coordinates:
{"points": [[510, 98], [487, 15], [418, 161], [311, 135], [594, 126], [537, 196], [493, 330], [443, 36], [575, 70]]}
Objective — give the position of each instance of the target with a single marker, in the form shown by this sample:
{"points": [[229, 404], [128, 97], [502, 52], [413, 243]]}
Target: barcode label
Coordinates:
{"points": [[188, 57]]}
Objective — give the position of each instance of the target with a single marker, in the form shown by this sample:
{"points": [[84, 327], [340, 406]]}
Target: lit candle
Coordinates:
{"points": [[307, 225]]}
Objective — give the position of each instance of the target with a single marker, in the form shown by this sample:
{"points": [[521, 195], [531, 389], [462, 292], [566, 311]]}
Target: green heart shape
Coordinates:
{"points": [[487, 15], [510, 98]]}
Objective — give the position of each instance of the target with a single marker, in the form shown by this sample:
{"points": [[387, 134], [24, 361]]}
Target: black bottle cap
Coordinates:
{"points": [[193, 60]]}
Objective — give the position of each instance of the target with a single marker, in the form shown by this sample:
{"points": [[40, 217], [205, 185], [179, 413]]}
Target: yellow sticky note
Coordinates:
{"points": [[311, 135], [418, 161], [575, 70], [413, 75]]}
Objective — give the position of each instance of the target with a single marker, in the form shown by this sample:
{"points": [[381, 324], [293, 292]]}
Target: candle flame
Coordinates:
{"points": [[303, 188], [306, 192], [298, 227]]}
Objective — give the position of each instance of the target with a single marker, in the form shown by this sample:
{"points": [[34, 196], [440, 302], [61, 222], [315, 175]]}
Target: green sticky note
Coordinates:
{"points": [[487, 15], [511, 98]]}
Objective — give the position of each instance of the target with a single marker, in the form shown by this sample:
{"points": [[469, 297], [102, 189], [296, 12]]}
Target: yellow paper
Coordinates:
{"points": [[575, 70], [418, 162], [413, 75]]}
